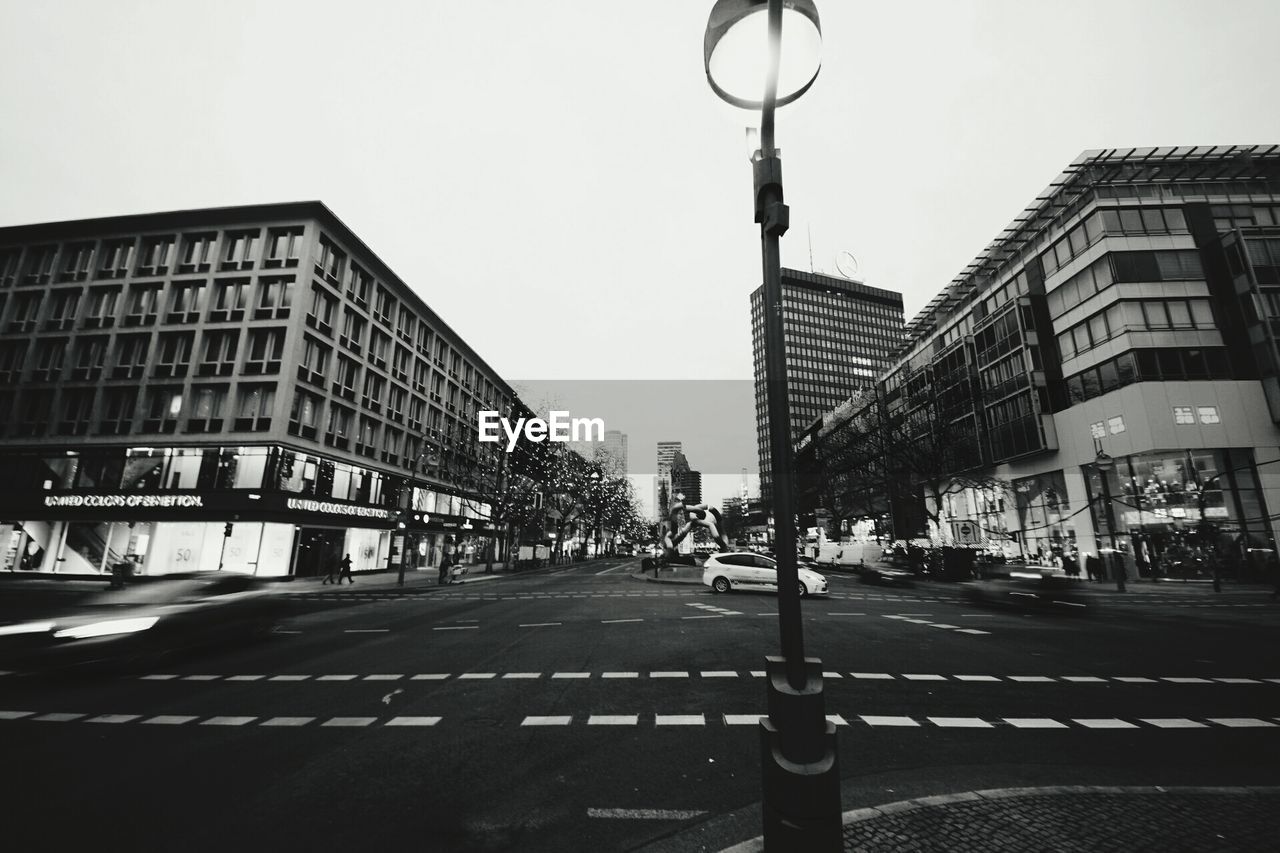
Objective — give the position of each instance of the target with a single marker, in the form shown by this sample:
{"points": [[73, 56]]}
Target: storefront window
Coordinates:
{"points": [[250, 467], [101, 469], [296, 472], [1043, 514], [56, 472]]}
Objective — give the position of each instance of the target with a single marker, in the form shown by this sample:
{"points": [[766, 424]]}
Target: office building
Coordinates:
{"points": [[245, 388], [1131, 311], [838, 333], [615, 447]]}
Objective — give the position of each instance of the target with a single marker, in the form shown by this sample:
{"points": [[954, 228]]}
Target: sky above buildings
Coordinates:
{"points": [[557, 180]]}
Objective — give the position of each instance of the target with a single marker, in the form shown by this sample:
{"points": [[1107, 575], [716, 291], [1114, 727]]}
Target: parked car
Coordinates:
{"points": [[151, 618], [745, 570]]}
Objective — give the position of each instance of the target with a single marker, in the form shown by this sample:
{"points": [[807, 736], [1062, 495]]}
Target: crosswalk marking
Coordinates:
{"points": [[413, 721], [1030, 678], [1241, 722], [288, 721], [976, 678], [227, 721], [354, 722], [873, 675], [113, 718], [58, 717], [337, 678], [1034, 723], [959, 722], [1104, 724], [889, 721], [1174, 723], [430, 676]]}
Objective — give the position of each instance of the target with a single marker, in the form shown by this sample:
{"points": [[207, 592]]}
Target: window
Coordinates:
{"points": [[253, 408], [400, 364], [323, 306], [314, 364], [229, 298], [117, 411], [304, 414], [239, 249], [1115, 425], [395, 403], [219, 353], [329, 260], [390, 445], [101, 311], [296, 472], [352, 331], [163, 407], [417, 410], [337, 431], [63, 307], [141, 308], [266, 346], [344, 383], [1208, 414], [367, 437], [197, 253], [174, 354], [424, 339], [48, 362], [91, 353], [379, 343], [26, 311], [185, 302], [284, 247], [131, 356], [359, 283], [405, 325], [39, 267], [421, 371], [384, 305], [207, 403], [77, 259], [1183, 415], [36, 407], [157, 254], [12, 360], [77, 411], [9, 262], [274, 298], [116, 258], [373, 388]]}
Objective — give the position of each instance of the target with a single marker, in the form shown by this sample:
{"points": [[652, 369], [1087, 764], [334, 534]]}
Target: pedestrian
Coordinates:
{"points": [[446, 562], [333, 566], [1093, 567], [346, 570]]}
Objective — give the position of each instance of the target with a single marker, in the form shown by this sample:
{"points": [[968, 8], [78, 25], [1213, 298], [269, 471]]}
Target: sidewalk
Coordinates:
{"points": [[1088, 819]]}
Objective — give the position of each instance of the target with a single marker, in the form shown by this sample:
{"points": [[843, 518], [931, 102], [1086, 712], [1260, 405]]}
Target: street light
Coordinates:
{"points": [[801, 781]]}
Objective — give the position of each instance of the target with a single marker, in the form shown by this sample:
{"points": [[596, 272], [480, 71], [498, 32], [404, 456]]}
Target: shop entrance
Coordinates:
{"points": [[318, 548]]}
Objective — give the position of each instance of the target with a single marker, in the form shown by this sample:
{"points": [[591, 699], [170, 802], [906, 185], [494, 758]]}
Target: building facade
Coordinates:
{"points": [[1131, 311], [246, 388], [838, 334]]}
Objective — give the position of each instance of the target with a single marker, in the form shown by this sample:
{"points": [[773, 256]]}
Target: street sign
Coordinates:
{"points": [[965, 532]]}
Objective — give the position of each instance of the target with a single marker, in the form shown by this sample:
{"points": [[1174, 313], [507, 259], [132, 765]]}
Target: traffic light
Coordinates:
{"points": [[226, 531]]}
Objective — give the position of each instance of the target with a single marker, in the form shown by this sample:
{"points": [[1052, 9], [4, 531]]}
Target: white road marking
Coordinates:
{"points": [[478, 675], [706, 616], [619, 675], [616, 621], [1241, 722], [169, 719], [613, 720], [523, 675], [288, 678], [227, 721], [1175, 723], [1105, 724], [58, 717], [923, 677], [645, 814], [540, 625], [337, 678], [1238, 680], [719, 673], [959, 722], [1187, 680], [668, 675], [1133, 679], [158, 677], [846, 614], [971, 631], [457, 628], [837, 719], [201, 677], [366, 630], [570, 675], [1084, 679], [742, 719], [352, 722], [883, 676], [249, 677], [413, 721], [430, 676], [288, 721], [1030, 678], [547, 721], [387, 676], [889, 721], [976, 678], [680, 720], [15, 715], [113, 718], [1034, 723]]}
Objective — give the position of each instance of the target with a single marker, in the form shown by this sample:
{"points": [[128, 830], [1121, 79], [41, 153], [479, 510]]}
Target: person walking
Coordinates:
{"points": [[333, 566], [446, 562], [346, 570]]}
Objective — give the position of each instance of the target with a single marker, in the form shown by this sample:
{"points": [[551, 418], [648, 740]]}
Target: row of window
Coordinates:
{"points": [[142, 305], [1153, 364], [152, 255], [1136, 316], [116, 411], [1169, 265]]}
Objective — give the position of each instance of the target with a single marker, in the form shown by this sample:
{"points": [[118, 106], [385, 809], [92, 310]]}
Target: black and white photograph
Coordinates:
{"points": [[439, 426]]}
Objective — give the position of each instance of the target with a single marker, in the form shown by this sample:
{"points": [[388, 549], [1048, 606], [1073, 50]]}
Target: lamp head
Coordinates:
{"points": [[1104, 462], [735, 50]]}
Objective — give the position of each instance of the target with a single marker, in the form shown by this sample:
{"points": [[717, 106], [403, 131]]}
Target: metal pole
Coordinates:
{"points": [[1117, 561]]}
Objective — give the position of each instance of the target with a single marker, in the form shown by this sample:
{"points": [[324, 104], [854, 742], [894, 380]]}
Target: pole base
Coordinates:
{"points": [[800, 770]]}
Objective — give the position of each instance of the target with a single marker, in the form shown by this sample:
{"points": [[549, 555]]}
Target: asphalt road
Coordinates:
{"points": [[582, 709]]}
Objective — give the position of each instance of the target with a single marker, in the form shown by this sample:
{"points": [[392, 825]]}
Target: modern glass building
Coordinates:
{"points": [[839, 334], [1132, 310], [246, 388]]}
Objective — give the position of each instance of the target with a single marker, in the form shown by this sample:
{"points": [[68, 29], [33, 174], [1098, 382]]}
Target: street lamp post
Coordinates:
{"points": [[800, 774]]}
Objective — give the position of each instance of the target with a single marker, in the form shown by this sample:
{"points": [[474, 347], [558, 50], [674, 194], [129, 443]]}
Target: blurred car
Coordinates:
{"points": [[149, 619], [1048, 593], [885, 575], [806, 562], [745, 570]]}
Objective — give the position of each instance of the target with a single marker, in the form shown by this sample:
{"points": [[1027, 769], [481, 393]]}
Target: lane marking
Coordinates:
{"points": [[1084, 679], [1034, 723], [883, 676], [15, 715], [114, 718], [719, 673], [923, 677], [680, 720], [366, 630], [477, 675], [58, 717], [337, 678], [645, 814], [1175, 723], [1105, 724], [352, 722], [613, 720], [523, 675], [1038, 679], [288, 678], [388, 676], [457, 628], [1241, 722], [430, 676], [706, 616], [668, 675], [619, 675], [547, 721], [413, 721], [976, 678], [169, 719], [227, 721], [288, 721], [540, 625], [617, 621], [872, 720], [959, 722], [570, 675], [249, 677]]}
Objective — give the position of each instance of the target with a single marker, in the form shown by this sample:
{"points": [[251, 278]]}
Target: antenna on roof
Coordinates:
{"points": [[809, 228]]}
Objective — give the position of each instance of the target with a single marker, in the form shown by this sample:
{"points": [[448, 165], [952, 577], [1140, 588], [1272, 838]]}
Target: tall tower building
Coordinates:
{"points": [[615, 445], [667, 451], [839, 335]]}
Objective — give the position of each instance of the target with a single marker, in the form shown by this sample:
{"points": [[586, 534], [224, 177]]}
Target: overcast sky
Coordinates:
{"points": [[557, 180]]}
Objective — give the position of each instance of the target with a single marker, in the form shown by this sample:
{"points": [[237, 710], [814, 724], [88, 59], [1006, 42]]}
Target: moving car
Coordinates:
{"points": [[745, 570], [885, 575], [151, 618], [1049, 593]]}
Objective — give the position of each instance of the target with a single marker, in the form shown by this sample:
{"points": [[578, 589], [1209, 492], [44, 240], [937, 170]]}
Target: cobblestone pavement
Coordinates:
{"points": [[1085, 819]]}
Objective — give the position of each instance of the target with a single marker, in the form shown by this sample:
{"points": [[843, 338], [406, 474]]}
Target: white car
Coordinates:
{"points": [[745, 570]]}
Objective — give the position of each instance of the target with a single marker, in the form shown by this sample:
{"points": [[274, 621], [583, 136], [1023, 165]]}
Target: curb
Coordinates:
{"points": [[904, 806]]}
